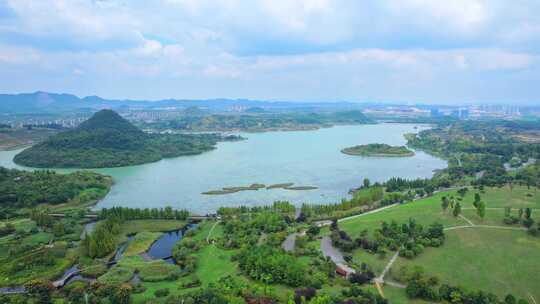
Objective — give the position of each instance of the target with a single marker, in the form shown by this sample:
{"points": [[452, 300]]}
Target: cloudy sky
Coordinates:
{"points": [[431, 51]]}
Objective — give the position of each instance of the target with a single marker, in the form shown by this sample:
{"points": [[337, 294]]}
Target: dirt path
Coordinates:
{"points": [[467, 220], [367, 213], [290, 241], [210, 232], [487, 227], [380, 278]]}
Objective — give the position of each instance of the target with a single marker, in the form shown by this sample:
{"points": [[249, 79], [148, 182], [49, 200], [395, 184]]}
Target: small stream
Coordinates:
{"points": [[88, 228], [120, 251], [162, 247]]}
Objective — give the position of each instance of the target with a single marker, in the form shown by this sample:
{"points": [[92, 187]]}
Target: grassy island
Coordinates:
{"points": [[381, 150], [286, 186]]}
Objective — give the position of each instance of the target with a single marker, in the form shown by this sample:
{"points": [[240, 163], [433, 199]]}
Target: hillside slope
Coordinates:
{"points": [[108, 140]]}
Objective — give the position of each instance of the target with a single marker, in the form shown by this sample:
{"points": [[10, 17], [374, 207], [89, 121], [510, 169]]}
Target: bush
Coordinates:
{"points": [[157, 271], [528, 222], [160, 293]]}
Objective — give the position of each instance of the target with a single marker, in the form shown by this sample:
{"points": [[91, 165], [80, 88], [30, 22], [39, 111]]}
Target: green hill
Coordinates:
{"points": [[108, 140]]}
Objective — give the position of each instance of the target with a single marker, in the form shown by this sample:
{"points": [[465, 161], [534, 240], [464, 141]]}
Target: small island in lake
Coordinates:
{"points": [[380, 150], [286, 186]]}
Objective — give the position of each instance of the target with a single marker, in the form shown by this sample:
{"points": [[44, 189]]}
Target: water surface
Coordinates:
{"points": [[306, 158]]}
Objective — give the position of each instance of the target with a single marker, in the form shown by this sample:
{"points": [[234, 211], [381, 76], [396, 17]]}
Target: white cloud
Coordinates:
{"points": [[299, 49]]}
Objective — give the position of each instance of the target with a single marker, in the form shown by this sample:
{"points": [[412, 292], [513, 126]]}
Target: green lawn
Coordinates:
{"points": [[497, 261], [494, 217], [398, 296], [132, 227], [141, 242], [425, 211], [504, 197], [428, 210], [373, 260], [214, 263]]}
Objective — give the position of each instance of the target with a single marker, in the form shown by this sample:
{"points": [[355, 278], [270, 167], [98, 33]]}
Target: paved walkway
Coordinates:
{"points": [[290, 241], [210, 232], [335, 255]]}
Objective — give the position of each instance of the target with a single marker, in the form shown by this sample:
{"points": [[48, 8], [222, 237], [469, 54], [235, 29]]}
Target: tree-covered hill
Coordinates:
{"points": [[108, 140]]}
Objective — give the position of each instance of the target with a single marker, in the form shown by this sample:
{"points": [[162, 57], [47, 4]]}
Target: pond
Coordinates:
{"points": [[162, 247], [305, 158]]}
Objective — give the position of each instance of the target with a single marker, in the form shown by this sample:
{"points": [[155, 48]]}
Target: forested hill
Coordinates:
{"points": [[108, 140]]}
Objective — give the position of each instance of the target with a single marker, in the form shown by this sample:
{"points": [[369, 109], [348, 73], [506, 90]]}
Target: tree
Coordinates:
{"points": [[481, 209], [476, 200], [445, 203], [528, 213], [510, 299], [123, 294], [367, 182], [41, 290], [313, 230], [457, 209]]}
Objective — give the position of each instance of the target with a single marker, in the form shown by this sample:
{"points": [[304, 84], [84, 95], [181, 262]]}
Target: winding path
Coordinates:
{"points": [[210, 232], [335, 255]]}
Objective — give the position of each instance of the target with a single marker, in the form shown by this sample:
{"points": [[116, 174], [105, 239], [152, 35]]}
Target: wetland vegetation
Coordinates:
{"points": [[255, 187], [378, 150]]}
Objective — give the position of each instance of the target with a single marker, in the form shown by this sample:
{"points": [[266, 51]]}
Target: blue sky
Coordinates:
{"points": [[429, 51]]}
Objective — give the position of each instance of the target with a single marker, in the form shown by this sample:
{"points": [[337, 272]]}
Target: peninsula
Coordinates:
{"points": [[109, 140]]}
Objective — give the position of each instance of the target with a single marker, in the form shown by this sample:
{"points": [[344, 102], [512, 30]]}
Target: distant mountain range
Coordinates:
{"points": [[44, 102]]}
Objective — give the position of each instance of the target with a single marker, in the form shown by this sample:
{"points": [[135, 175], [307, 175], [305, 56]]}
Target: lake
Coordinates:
{"points": [[306, 158]]}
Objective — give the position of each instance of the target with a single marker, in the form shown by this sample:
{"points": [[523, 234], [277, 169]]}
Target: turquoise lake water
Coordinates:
{"points": [[306, 158]]}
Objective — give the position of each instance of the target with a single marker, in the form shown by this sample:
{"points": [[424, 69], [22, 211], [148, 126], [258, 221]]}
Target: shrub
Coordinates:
{"points": [[160, 293]]}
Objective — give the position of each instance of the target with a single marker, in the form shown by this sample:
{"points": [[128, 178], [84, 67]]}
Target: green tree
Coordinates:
{"points": [[481, 209], [445, 203], [123, 294], [367, 182], [41, 290], [457, 209]]}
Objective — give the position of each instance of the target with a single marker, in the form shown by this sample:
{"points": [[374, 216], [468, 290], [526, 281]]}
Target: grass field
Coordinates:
{"points": [[506, 197], [131, 227], [376, 263], [24, 224], [141, 242], [494, 260], [398, 296], [497, 261], [214, 263], [425, 211]]}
